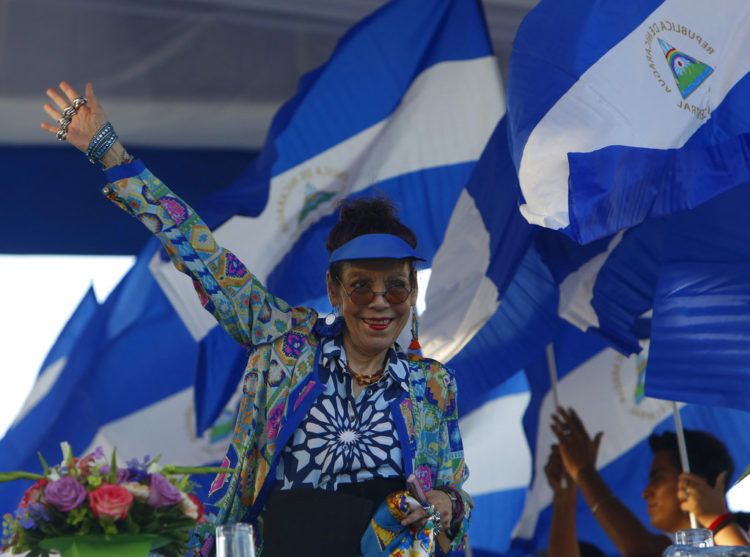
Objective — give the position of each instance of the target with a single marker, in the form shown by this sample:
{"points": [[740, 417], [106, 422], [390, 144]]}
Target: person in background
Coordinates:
{"points": [[670, 495], [563, 538]]}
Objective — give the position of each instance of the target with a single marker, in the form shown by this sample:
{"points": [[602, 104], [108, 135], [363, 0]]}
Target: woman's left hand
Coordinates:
{"points": [[442, 504]]}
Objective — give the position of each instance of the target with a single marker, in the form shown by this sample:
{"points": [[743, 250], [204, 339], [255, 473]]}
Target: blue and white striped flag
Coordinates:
{"points": [[630, 135], [405, 106], [622, 112]]}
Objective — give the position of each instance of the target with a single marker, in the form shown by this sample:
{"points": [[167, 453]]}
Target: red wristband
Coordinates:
{"points": [[719, 519]]}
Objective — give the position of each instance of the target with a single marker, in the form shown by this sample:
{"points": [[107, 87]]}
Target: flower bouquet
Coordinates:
{"points": [[83, 504]]}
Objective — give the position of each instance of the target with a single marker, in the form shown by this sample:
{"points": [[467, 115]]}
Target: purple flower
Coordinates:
{"points": [[122, 474], [37, 511], [26, 522], [208, 545], [162, 493], [65, 494], [137, 475]]}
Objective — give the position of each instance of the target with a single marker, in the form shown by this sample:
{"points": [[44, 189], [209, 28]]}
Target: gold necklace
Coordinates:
{"points": [[365, 380]]}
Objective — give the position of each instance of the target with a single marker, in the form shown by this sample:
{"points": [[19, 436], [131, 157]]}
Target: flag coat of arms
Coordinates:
{"points": [[624, 112]]}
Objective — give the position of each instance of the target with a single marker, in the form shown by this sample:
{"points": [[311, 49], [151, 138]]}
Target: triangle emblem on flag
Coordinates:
{"points": [[688, 72]]}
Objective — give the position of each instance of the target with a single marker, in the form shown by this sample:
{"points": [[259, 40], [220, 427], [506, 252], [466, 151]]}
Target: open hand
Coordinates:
{"points": [[578, 450], [84, 124]]}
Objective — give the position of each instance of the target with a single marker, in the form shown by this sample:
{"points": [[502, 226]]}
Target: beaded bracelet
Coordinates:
{"points": [[101, 143], [457, 506]]}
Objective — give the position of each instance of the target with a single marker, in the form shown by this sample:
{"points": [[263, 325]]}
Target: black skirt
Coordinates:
{"points": [[301, 522]]}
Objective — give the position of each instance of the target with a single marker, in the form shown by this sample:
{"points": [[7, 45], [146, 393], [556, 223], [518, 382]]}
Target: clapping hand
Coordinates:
{"points": [[558, 479], [578, 451]]}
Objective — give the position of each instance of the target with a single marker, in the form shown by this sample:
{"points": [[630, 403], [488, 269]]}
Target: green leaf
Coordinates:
{"points": [[170, 470], [113, 467], [13, 476], [45, 468]]}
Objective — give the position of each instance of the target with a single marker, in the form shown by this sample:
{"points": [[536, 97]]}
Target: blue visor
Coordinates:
{"points": [[374, 246]]}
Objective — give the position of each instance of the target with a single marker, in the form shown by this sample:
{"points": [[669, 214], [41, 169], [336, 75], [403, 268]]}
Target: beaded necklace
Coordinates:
{"points": [[365, 380]]}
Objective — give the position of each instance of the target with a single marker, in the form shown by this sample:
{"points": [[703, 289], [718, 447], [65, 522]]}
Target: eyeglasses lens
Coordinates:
{"points": [[363, 295]]}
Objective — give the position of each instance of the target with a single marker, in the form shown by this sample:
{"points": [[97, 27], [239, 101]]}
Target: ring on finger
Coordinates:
{"points": [[62, 134], [69, 112], [437, 524], [78, 102]]}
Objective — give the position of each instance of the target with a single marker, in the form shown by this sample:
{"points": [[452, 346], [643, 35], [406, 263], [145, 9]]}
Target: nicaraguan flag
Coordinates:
{"points": [[405, 106], [484, 243], [606, 389], [501, 289], [624, 111]]}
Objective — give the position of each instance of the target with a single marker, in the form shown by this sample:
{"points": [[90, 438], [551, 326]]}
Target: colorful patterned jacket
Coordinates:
{"points": [[280, 381]]}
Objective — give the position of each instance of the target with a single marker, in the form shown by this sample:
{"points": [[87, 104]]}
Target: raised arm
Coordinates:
{"points": [[563, 539], [236, 298], [578, 452]]}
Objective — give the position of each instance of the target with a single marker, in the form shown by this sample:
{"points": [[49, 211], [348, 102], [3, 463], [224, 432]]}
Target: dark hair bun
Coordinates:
{"points": [[373, 215]]}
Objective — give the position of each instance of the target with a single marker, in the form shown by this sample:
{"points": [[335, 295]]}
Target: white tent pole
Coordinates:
{"points": [[552, 367], [680, 432]]}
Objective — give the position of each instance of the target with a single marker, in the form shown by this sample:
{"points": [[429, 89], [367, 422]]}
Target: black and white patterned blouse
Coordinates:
{"points": [[343, 439]]}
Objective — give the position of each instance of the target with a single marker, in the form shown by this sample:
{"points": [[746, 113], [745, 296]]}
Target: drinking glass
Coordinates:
{"points": [[235, 540]]}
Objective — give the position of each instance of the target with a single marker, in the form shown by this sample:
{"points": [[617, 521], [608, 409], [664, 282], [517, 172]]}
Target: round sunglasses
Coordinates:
{"points": [[364, 295]]}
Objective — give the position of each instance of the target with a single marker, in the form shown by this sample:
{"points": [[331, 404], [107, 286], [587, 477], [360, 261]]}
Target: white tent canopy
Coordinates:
{"points": [[180, 73]]}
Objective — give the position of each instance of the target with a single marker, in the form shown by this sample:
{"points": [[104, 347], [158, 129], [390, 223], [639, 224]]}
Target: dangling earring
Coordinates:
{"points": [[414, 345], [332, 315], [330, 325]]}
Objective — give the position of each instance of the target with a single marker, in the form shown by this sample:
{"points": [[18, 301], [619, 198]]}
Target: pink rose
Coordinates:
{"points": [[110, 500], [162, 493]]}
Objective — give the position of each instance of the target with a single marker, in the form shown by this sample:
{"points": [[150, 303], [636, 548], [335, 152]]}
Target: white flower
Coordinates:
{"points": [[66, 451], [139, 491], [189, 508], [154, 468]]}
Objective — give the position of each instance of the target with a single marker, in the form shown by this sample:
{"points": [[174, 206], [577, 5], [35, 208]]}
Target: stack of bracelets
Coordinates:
{"points": [[457, 508], [67, 117], [101, 143]]}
